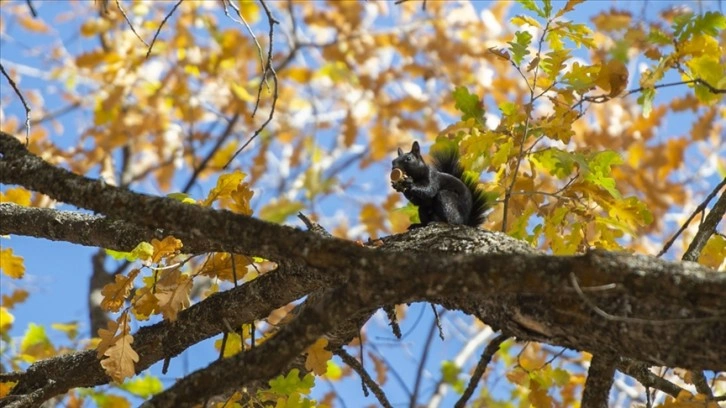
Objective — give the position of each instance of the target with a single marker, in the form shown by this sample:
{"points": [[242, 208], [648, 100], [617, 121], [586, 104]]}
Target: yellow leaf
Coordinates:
{"points": [[318, 356], [714, 253], [115, 293], [250, 11], [226, 184], [16, 195], [373, 219], [10, 264], [172, 293], [232, 346], [70, 329], [121, 358], [6, 319], [32, 24], [90, 59], [111, 401], [298, 74], [35, 344], [166, 248], [241, 197], [538, 396], [6, 387]]}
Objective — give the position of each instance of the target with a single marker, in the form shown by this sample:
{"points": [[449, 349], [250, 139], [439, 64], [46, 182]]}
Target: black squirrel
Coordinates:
{"points": [[441, 191]]}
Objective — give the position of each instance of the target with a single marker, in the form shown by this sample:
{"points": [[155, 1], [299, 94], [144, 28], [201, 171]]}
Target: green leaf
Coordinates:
{"points": [[468, 104], [183, 197], [554, 62], [450, 372], [557, 162], [599, 170], [34, 334], [659, 37], [646, 101], [547, 8], [143, 387], [687, 25], [518, 47], [143, 251], [508, 108], [287, 385], [532, 6]]}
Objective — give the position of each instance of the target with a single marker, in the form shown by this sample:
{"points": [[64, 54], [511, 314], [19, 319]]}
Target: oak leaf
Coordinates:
{"points": [[165, 248], [120, 360], [11, 265], [172, 293], [115, 293], [318, 356]]}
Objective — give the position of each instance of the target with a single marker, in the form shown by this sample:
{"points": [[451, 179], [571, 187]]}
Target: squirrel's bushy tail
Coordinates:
{"points": [[446, 160]]}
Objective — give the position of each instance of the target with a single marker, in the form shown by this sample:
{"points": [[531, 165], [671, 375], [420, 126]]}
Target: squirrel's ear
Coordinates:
{"points": [[400, 152], [415, 149]]}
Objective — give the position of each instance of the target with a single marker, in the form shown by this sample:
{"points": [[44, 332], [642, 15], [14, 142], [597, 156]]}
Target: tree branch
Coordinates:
{"points": [[706, 229], [501, 280], [599, 380], [486, 358]]}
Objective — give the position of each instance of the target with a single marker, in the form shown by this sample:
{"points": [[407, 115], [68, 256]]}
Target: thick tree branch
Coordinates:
{"points": [[89, 230], [489, 275], [599, 380]]}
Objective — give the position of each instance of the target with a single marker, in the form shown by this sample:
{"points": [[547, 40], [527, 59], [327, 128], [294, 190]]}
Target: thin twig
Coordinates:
{"points": [[438, 322], [268, 68], [249, 29], [32, 9], [654, 322], [158, 30], [220, 141], [365, 377], [22, 99], [419, 370], [481, 366], [605, 98], [525, 133], [123, 13], [698, 209]]}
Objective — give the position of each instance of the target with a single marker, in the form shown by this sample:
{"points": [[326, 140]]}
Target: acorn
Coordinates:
{"points": [[397, 174]]}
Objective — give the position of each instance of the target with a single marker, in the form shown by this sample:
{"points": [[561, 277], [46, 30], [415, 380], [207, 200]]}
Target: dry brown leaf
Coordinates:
{"points": [[115, 293]]}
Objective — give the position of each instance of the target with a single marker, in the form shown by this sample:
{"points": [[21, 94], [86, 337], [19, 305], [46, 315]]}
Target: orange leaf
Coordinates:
{"points": [[172, 293], [318, 356], [18, 296], [165, 248], [33, 24], [114, 294]]}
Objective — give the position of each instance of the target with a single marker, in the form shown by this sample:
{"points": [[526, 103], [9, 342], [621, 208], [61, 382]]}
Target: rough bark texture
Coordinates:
{"points": [[635, 308]]}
